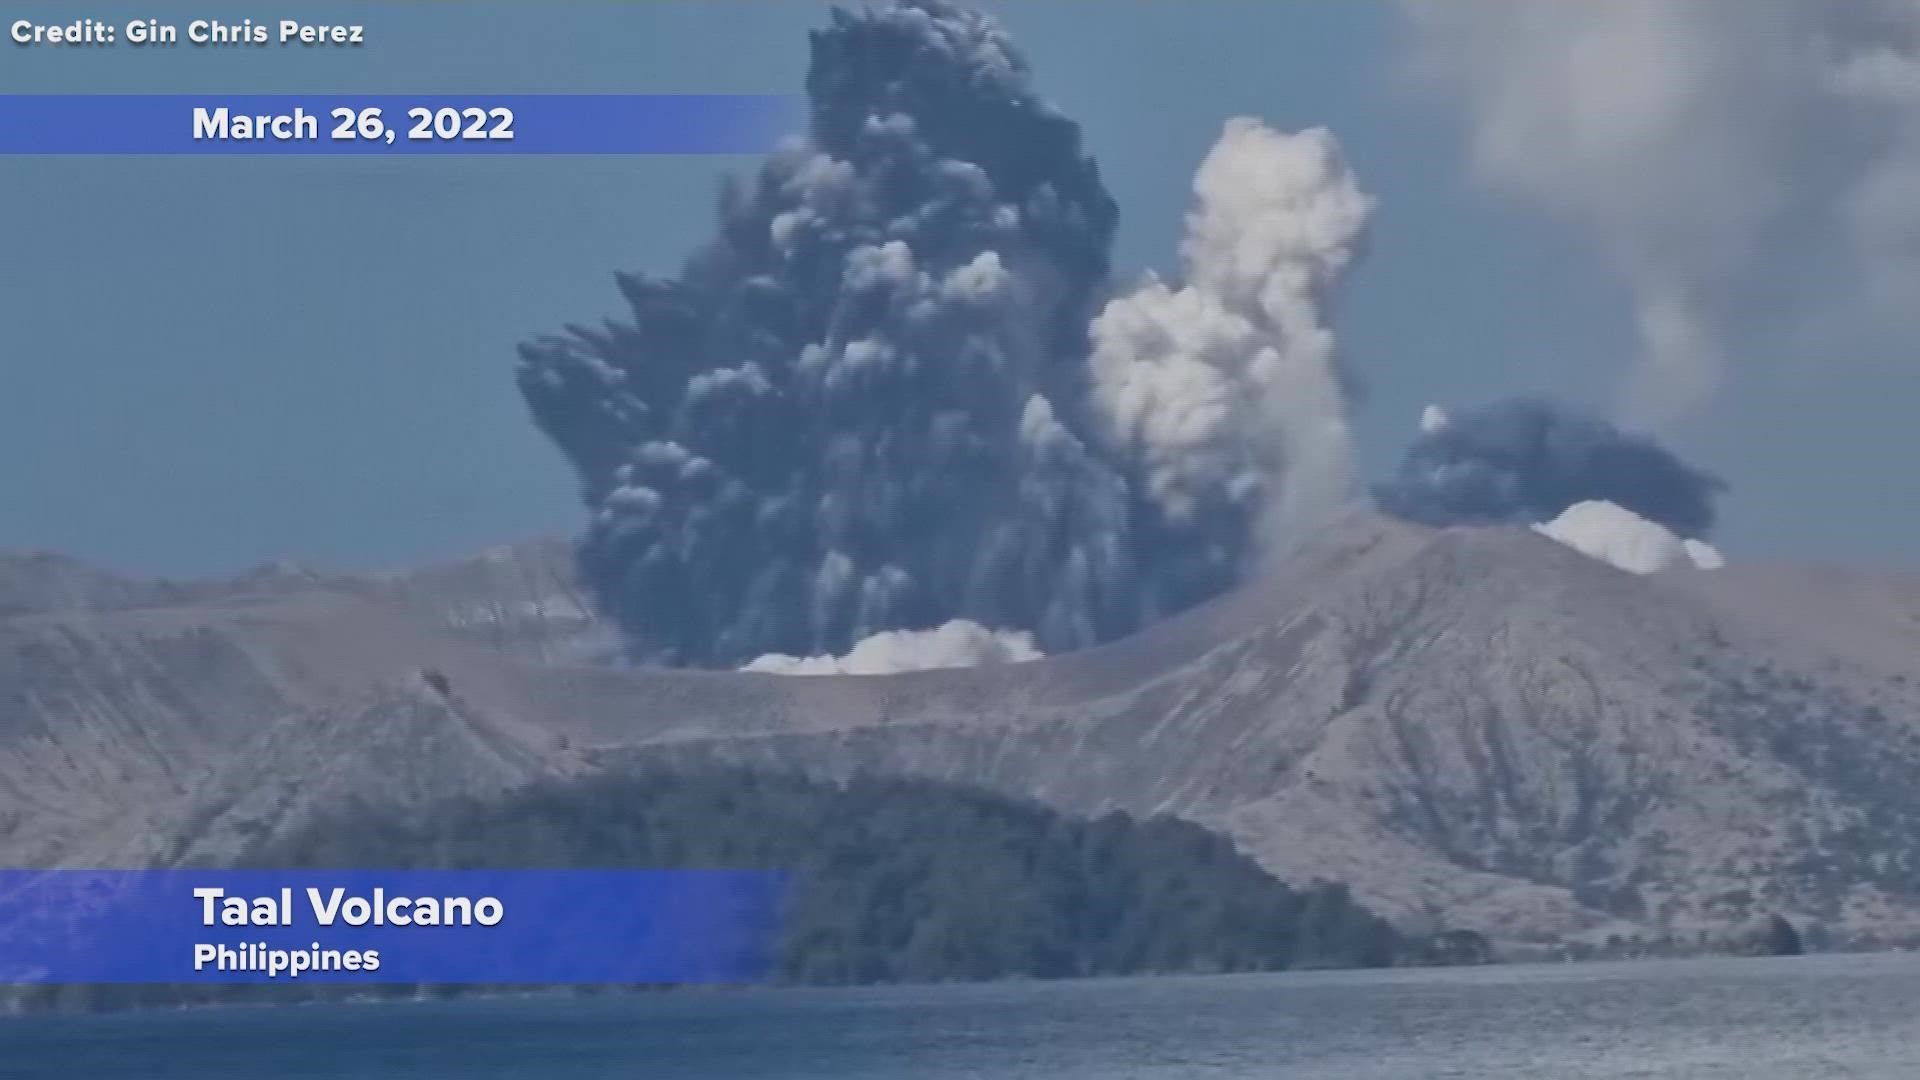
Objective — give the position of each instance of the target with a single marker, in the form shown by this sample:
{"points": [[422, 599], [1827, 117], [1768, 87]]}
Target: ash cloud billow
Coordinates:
{"points": [[1234, 379], [1524, 461], [959, 643], [874, 401], [1622, 538], [1752, 170]]}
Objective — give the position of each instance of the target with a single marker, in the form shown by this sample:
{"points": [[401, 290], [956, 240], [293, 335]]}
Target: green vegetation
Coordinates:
{"points": [[893, 880], [898, 880]]}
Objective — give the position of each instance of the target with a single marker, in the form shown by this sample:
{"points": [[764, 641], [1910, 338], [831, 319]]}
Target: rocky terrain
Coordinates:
{"points": [[1472, 726]]}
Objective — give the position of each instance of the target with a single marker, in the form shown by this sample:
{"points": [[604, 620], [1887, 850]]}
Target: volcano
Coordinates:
{"points": [[1473, 727]]}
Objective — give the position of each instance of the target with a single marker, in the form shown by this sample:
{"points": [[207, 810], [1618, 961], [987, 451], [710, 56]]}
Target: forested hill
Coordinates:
{"points": [[896, 880]]}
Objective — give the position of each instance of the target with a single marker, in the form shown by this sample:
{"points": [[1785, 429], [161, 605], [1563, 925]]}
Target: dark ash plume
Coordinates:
{"points": [[857, 409], [1525, 461], [880, 399]]}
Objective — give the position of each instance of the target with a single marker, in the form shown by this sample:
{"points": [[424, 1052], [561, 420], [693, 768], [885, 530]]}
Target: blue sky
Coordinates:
{"points": [[214, 362]]}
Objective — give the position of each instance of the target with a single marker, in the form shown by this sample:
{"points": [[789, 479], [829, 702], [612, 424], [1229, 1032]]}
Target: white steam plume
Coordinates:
{"points": [[1230, 387], [959, 643], [1711, 148], [1616, 535]]}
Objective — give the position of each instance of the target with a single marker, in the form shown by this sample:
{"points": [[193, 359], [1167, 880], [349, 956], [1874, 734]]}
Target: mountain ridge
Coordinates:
{"points": [[1475, 727]]}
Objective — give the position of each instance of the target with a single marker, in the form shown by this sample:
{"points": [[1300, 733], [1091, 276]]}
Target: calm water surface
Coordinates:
{"points": [[1746, 1019]]}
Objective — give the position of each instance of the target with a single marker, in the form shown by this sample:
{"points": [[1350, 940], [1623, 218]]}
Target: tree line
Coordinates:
{"points": [[891, 880]]}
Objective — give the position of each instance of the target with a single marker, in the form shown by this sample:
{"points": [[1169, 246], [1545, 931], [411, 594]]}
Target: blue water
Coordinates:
{"points": [[1746, 1019]]}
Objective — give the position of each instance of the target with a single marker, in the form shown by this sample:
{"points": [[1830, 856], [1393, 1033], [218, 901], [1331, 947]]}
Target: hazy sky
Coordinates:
{"points": [[212, 362]]}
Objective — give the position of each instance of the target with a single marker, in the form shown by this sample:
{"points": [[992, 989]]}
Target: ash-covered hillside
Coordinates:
{"points": [[1474, 726]]}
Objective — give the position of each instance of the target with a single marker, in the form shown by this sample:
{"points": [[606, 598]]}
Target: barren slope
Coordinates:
{"points": [[1478, 723]]}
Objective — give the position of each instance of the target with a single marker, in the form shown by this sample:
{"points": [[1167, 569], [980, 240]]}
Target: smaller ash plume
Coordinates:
{"points": [[1525, 462]]}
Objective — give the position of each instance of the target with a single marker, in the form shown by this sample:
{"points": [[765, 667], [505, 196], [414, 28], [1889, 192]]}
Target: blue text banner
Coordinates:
{"points": [[388, 926], [393, 123]]}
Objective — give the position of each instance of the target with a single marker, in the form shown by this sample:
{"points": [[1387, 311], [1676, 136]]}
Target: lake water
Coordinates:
{"points": [[1746, 1019]]}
